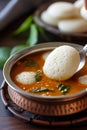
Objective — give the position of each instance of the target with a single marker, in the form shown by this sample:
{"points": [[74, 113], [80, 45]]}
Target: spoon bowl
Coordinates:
{"points": [[82, 57]]}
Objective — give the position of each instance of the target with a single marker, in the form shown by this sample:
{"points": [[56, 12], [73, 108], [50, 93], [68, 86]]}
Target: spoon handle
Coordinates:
{"points": [[85, 48]]}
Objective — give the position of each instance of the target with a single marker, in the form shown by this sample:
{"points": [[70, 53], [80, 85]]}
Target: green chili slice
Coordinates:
{"points": [[42, 89], [32, 64], [63, 88]]}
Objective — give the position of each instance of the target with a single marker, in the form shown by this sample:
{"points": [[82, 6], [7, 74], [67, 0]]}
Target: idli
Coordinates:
{"points": [[77, 25], [83, 79], [79, 3], [26, 77], [45, 17], [62, 63], [83, 13], [62, 10]]}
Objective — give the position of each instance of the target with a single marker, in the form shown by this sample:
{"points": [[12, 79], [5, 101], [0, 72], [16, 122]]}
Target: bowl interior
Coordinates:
{"points": [[40, 47]]}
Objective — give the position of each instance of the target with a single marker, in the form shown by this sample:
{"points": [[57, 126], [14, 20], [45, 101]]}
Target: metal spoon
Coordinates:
{"points": [[82, 57]]}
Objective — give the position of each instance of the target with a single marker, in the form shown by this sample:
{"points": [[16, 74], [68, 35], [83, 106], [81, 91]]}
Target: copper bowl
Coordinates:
{"points": [[48, 106]]}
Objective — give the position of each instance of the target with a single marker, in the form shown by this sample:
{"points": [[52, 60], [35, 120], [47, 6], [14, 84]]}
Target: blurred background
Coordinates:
{"points": [[13, 13]]}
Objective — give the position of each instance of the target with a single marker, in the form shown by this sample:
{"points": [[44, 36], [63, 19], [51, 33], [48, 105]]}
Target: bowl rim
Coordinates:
{"points": [[39, 47]]}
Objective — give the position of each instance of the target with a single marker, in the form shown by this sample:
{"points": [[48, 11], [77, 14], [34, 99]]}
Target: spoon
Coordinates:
{"points": [[82, 57]]}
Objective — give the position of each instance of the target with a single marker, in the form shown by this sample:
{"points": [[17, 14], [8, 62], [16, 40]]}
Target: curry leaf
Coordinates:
{"points": [[38, 75], [63, 88], [32, 64], [24, 26], [42, 32], [4, 55], [42, 89], [33, 35]]}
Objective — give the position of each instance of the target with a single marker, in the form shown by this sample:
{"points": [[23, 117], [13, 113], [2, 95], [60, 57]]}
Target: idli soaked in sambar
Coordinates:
{"points": [[27, 73]]}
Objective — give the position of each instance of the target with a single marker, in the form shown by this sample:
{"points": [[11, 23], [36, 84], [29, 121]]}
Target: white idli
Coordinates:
{"points": [[83, 79], [79, 3], [26, 77], [61, 63], [83, 13], [62, 10], [73, 25], [45, 17]]}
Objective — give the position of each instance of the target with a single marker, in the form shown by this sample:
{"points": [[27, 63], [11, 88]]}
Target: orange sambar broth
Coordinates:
{"points": [[46, 82]]}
